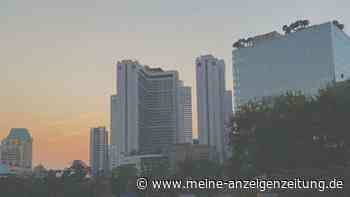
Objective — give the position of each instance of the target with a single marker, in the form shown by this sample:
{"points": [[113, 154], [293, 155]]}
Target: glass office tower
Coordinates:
{"points": [[305, 60]]}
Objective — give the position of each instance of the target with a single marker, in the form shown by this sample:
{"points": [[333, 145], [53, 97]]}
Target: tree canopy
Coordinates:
{"points": [[293, 132]]}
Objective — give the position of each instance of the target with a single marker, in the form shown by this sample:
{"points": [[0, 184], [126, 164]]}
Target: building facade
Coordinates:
{"points": [[146, 113], [114, 119], [305, 60], [16, 150], [99, 162], [179, 153], [113, 156], [228, 111], [5, 171], [211, 94], [145, 164], [185, 113]]}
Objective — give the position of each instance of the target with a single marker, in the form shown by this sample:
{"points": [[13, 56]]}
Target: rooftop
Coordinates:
{"points": [[148, 68], [299, 25], [21, 134]]}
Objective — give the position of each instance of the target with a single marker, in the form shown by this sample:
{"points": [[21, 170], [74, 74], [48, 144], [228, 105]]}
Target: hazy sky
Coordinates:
{"points": [[56, 57]]}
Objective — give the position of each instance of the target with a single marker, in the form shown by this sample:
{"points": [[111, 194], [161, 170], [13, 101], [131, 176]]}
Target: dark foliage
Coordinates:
{"points": [[293, 133]]}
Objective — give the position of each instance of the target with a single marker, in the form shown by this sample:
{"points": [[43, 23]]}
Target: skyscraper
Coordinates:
{"points": [[113, 156], [114, 121], [16, 149], [305, 59], [210, 74], [145, 114], [186, 112], [228, 111], [99, 150]]}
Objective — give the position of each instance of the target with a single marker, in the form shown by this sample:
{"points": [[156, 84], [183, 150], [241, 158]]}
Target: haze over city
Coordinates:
{"points": [[57, 65]]}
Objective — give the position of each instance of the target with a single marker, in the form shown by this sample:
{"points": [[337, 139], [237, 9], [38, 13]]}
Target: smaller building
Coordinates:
{"points": [[80, 165], [185, 113], [228, 110], [5, 170], [40, 171], [16, 151], [145, 164], [113, 156], [180, 152], [99, 150]]}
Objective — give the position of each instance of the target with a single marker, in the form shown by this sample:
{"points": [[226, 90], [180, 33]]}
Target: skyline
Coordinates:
{"points": [[57, 67]]}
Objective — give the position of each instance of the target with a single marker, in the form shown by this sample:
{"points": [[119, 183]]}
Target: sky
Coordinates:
{"points": [[57, 58]]}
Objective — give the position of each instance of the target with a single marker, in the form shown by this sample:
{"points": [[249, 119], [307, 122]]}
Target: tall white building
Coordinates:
{"points": [[146, 112], [185, 107], [99, 150], [211, 107], [16, 149]]}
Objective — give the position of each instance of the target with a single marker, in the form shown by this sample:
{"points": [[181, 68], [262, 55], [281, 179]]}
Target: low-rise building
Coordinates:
{"points": [[180, 152], [145, 164], [40, 171], [5, 170]]}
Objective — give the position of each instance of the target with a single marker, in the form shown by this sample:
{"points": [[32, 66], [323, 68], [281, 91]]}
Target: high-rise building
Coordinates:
{"points": [[113, 151], [185, 107], [16, 149], [99, 150], [304, 59], [210, 73], [228, 111], [113, 156], [114, 120], [146, 112]]}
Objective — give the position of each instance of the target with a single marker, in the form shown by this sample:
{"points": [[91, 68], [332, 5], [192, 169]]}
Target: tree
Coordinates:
{"points": [[292, 132], [123, 179]]}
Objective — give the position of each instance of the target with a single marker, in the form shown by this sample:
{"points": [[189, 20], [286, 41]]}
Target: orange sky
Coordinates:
{"points": [[57, 57], [57, 140]]}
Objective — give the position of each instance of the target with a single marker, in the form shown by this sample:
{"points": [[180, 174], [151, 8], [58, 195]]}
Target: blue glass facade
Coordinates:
{"points": [[341, 47], [306, 61]]}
